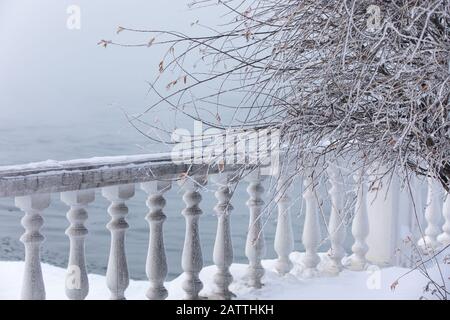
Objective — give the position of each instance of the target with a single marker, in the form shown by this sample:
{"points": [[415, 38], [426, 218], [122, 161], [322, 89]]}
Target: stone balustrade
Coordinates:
{"points": [[117, 177]]}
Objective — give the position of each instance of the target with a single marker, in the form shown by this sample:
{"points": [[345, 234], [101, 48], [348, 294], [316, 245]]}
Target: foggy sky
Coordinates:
{"points": [[52, 75]]}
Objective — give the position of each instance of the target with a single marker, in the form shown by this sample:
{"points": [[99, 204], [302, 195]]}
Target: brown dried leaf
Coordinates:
{"points": [[183, 175], [394, 285], [104, 43], [248, 35]]}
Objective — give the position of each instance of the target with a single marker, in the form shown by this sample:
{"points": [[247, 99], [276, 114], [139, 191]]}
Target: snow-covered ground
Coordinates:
{"points": [[372, 284]]}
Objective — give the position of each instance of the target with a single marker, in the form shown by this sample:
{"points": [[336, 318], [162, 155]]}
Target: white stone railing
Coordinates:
{"points": [[76, 181]]}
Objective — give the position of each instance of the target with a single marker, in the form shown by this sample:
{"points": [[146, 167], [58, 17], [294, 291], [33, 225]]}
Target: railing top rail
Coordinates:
{"points": [[58, 176], [81, 164]]}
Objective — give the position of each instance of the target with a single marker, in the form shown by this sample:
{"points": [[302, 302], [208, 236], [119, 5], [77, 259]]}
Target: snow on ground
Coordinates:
{"points": [[373, 284]]}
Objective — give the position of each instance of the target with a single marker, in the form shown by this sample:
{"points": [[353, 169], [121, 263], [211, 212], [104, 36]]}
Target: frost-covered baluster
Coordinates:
{"points": [[336, 226], [311, 227], [156, 265], [33, 284], [223, 247], [192, 260], [255, 246], [77, 285], [417, 207], [432, 216], [117, 277], [444, 237], [360, 224], [284, 238]]}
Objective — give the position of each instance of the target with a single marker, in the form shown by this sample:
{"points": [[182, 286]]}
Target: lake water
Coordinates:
{"points": [[60, 96], [112, 136]]}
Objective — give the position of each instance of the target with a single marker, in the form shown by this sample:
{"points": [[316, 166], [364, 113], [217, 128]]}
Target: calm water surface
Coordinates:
{"points": [[111, 136]]}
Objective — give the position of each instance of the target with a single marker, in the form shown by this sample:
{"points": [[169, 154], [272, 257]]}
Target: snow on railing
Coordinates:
{"points": [[76, 181]]}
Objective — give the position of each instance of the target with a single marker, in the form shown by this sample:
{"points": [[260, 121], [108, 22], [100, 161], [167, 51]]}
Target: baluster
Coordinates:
{"points": [[117, 277], [417, 207], [156, 265], [33, 284], [433, 216], [409, 255], [192, 260], [255, 246], [77, 285], [360, 225], [336, 224], [223, 247], [444, 237], [311, 227], [284, 238]]}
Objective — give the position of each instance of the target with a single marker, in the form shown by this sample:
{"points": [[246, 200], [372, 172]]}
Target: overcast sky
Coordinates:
{"points": [[49, 73]]}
